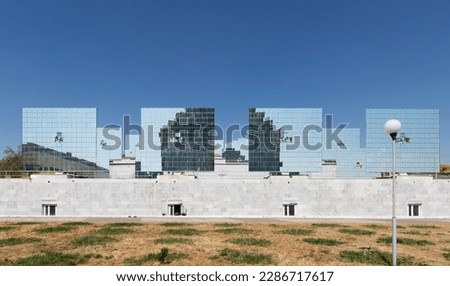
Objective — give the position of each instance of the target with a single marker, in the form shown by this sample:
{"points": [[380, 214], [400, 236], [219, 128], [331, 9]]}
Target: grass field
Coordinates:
{"points": [[253, 243]]}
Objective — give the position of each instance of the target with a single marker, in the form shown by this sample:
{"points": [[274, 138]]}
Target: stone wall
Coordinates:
{"points": [[212, 196]]}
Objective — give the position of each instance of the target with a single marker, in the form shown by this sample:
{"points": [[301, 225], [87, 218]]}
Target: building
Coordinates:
{"points": [[178, 140], [276, 140], [421, 155], [295, 141], [65, 140], [279, 141]]}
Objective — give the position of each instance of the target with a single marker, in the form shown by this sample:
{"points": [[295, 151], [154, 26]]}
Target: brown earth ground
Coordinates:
{"points": [[205, 247]]}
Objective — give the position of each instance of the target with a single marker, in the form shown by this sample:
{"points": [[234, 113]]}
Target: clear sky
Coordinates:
{"points": [[119, 56]]}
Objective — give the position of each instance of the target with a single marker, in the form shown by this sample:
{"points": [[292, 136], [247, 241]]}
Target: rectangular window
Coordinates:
{"points": [[289, 209], [49, 210], [176, 210], [413, 209]]}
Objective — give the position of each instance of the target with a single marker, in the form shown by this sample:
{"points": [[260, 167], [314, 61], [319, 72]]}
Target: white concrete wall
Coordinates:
{"points": [[222, 196]]}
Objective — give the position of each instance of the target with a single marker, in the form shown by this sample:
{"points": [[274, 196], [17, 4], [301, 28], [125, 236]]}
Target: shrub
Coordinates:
{"points": [[163, 257], [446, 255]]}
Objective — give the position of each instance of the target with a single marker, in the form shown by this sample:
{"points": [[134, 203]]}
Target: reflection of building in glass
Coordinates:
{"points": [[39, 158], [179, 139], [62, 139], [275, 138], [346, 154], [233, 155], [279, 140], [420, 156], [294, 141]]}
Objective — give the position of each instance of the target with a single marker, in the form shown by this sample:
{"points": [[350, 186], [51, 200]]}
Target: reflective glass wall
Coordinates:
{"points": [[420, 155], [345, 153], [59, 139], [285, 139], [177, 139]]}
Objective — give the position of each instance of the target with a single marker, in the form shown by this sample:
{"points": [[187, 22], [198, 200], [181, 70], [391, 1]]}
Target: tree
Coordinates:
{"points": [[11, 161]]}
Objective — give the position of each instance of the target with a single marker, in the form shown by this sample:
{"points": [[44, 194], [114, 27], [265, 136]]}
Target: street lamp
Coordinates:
{"points": [[392, 127]]}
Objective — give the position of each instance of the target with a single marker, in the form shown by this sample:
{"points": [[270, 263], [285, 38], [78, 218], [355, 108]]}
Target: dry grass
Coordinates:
{"points": [[206, 244]]}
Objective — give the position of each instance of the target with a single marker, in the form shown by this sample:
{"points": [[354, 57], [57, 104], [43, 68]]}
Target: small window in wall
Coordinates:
{"points": [[289, 209], [49, 210], [413, 209], [177, 209]]}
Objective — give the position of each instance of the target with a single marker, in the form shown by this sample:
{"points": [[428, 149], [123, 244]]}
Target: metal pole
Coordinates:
{"points": [[394, 218]]}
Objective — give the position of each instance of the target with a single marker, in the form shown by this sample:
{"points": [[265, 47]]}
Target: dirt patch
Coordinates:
{"points": [[206, 243]]}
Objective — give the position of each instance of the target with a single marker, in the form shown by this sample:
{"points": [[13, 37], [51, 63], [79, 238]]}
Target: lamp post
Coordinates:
{"points": [[392, 127]]}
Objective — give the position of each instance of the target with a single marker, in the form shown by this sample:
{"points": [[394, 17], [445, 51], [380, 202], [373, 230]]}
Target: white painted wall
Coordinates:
{"points": [[211, 195]]}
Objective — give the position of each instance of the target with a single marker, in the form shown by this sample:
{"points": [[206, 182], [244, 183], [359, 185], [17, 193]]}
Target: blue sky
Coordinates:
{"points": [[119, 56]]}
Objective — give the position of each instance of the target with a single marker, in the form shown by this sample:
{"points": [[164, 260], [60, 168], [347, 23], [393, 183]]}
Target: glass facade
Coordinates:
{"points": [[178, 139], [108, 149], [285, 139], [420, 155], [59, 139], [279, 140], [346, 153]]}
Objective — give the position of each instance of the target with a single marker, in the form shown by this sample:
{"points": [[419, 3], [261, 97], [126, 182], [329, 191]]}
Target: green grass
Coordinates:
{"points": [[183, 231], [446, 255], [356, 231], [11, 241], [328, 225], [415, 232], [173, 240], [241, 257], [163, 257], [233, 230], [55, 229], [375, 257], [250, 241], [423, 226], [124, 224], [323, 241], [77, 223], [297, 231], [93, 240], [406, 241], [51, 258], [27, 223], [114, 230], [6, 228], [227, 224], [174, 224]]}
